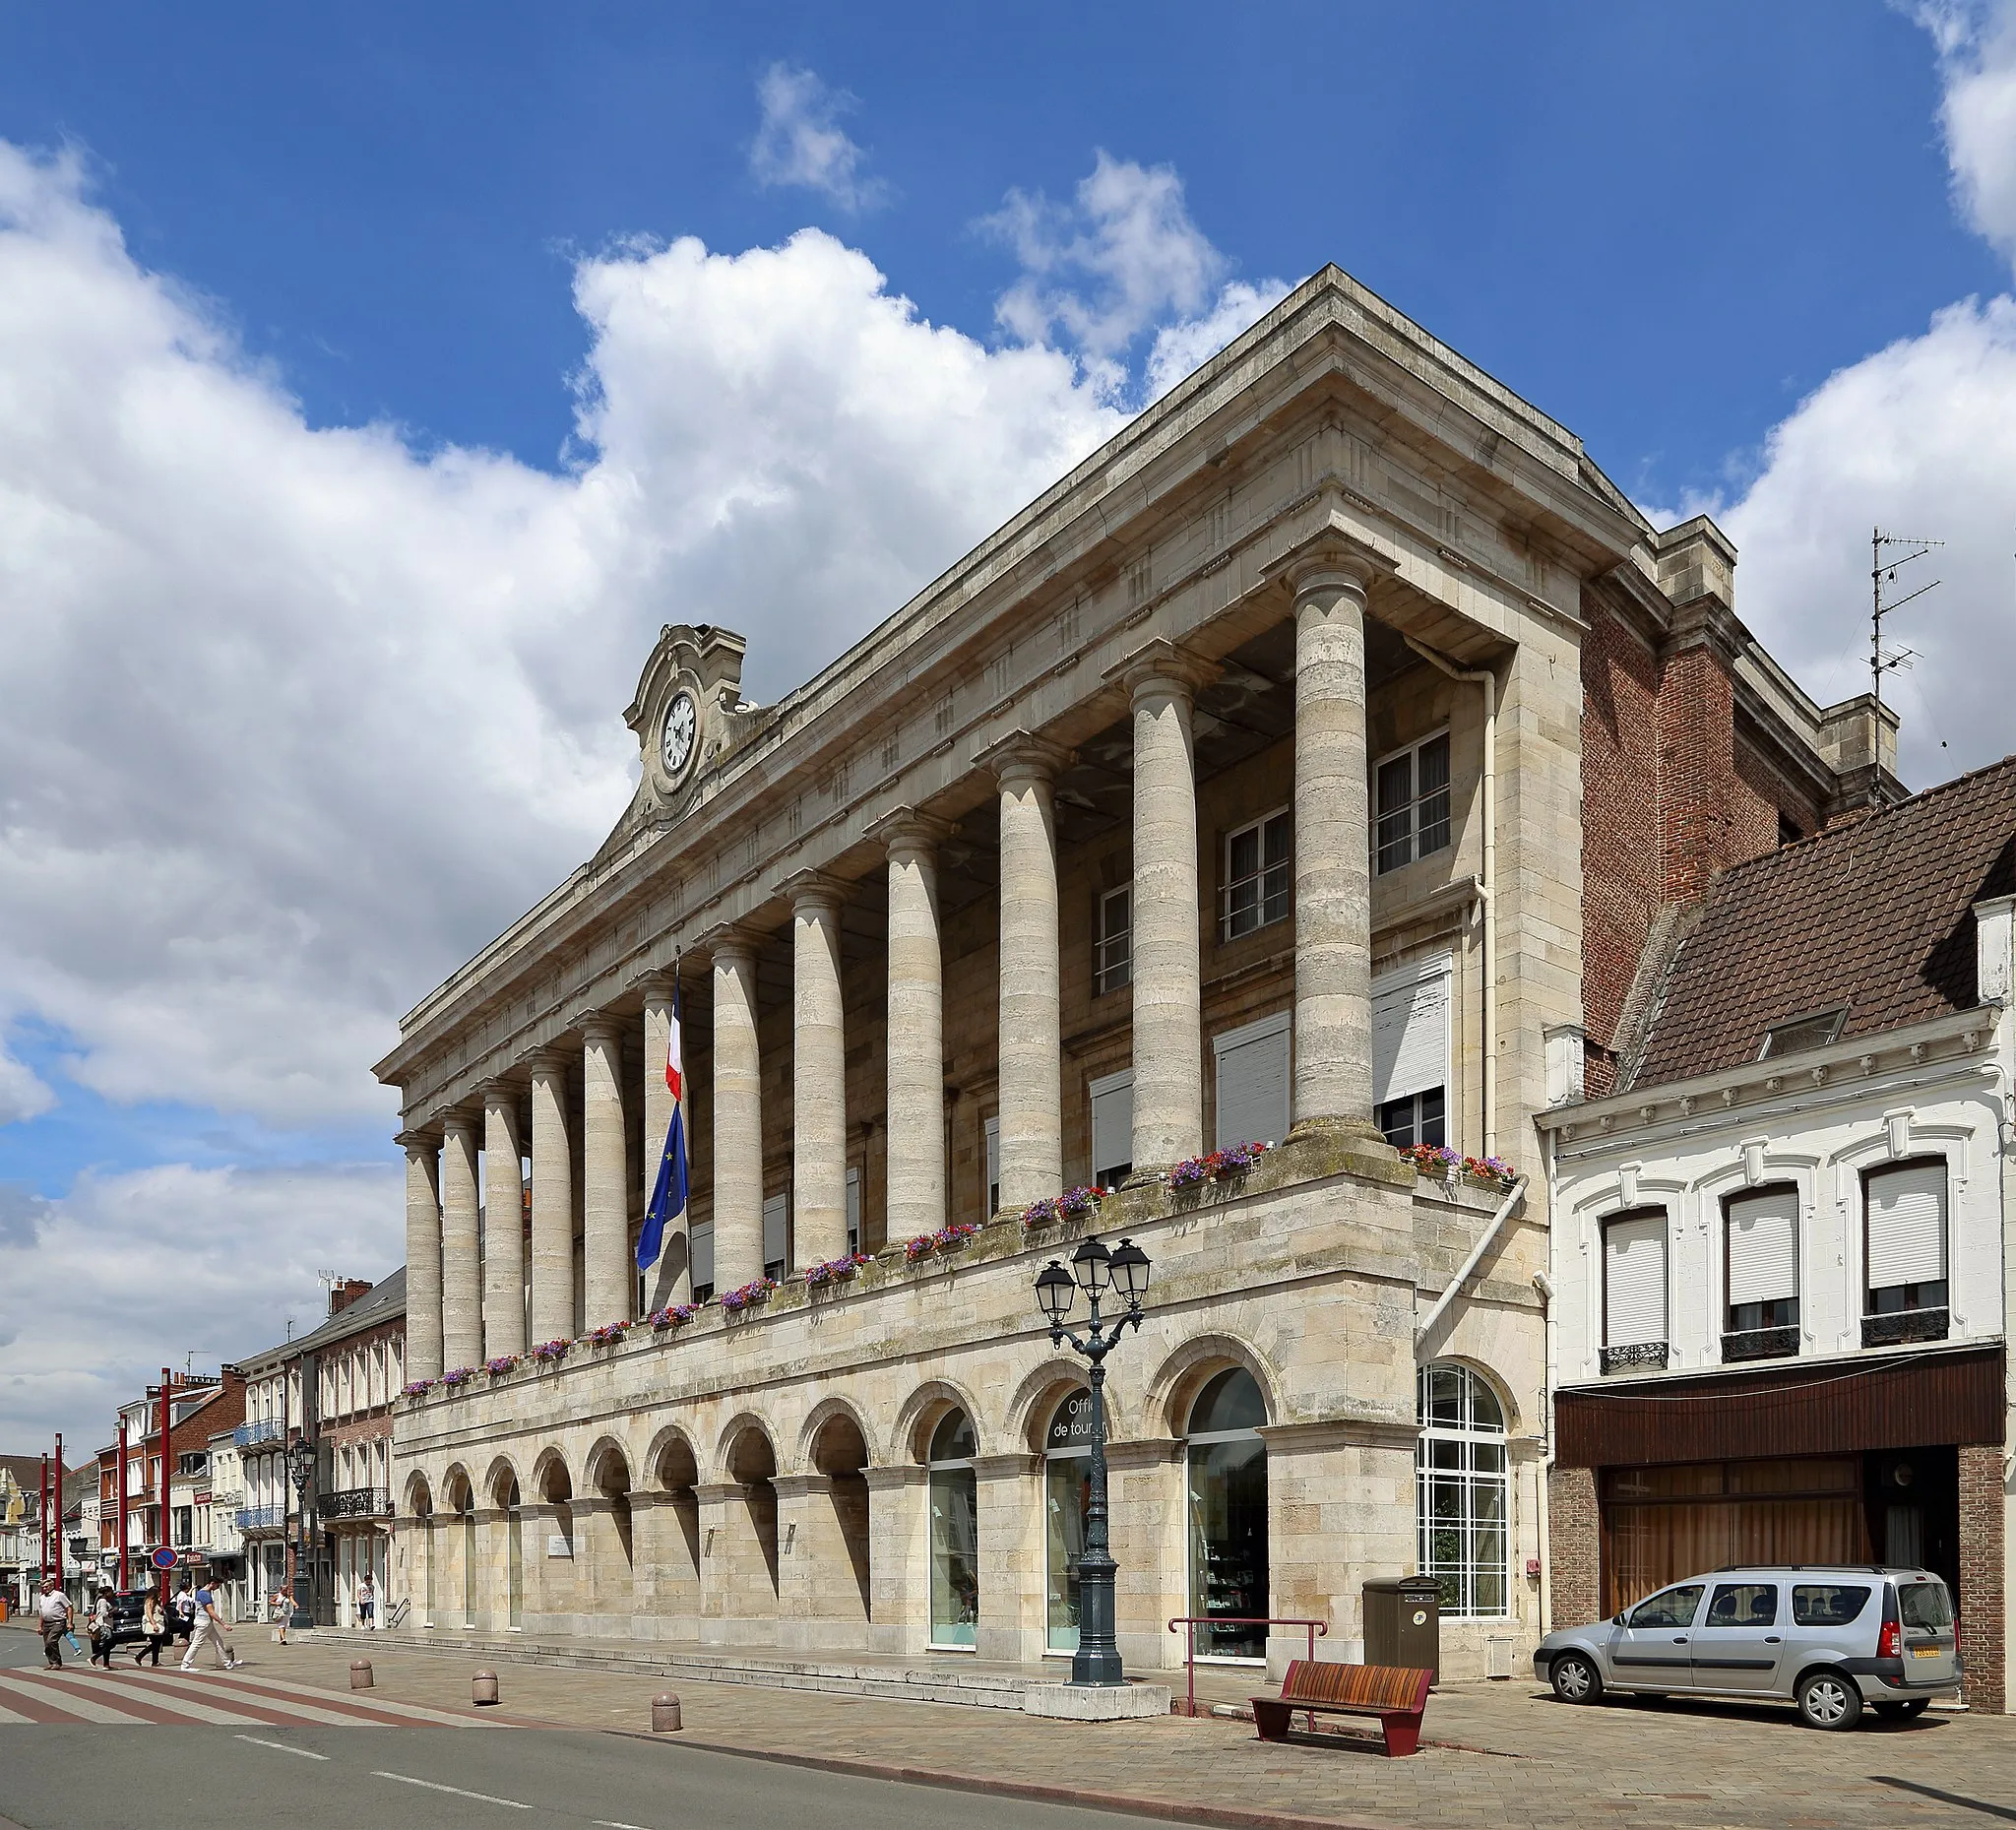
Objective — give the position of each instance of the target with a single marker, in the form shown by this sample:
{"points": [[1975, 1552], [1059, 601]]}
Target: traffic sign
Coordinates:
{"points": [[163, 1558]]}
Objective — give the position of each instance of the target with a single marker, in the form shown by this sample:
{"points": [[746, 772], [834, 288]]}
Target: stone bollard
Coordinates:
{"points": [[665, 1713], [483, 1687], [360, 1675]]}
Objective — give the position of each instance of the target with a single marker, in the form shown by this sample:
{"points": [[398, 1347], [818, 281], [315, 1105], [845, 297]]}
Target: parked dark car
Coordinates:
{"points": [[127, 1609]]}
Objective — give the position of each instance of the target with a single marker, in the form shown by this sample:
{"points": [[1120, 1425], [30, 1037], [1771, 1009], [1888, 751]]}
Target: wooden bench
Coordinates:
{"points": [[1395, 1693]]}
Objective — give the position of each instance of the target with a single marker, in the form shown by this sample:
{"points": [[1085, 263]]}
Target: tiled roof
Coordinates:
{"points": [[384, 1301], [1875, 916]]}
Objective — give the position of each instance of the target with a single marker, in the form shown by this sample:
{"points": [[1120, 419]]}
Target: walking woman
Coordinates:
{"points": [[279, 1608], [154, 1623], [101, 1630]]}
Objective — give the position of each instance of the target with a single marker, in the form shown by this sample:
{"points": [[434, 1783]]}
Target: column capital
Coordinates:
{"points": [[1161, 669], [549, 1062], [656, 985], [1332, 561], [1022, 756], [459, 1121], [600, 1025], [419, 1138], [500, 1092], [905, 830], [733, 941], [817, 890]]}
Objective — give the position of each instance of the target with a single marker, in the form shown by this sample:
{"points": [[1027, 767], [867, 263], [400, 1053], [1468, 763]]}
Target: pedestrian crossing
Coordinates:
{"points": [[168, 1699]]}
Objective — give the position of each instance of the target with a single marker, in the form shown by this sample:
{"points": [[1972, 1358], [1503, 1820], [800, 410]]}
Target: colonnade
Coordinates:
{"points": [[459, 1310]]}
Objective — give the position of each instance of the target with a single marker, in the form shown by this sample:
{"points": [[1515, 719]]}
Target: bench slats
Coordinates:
{"points": [[1367, 1687]]}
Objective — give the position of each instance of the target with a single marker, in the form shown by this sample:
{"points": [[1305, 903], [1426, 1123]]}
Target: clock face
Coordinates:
{"points": [[681, 727]]}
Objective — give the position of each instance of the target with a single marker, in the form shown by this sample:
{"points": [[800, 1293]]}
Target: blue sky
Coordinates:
{"points": [[380, 378]]}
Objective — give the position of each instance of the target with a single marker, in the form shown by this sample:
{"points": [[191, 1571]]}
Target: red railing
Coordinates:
{"points": [[1191, 1622]]}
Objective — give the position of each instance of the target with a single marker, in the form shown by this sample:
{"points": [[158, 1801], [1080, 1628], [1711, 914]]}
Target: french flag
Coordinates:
{"points": [[668, 1194]]}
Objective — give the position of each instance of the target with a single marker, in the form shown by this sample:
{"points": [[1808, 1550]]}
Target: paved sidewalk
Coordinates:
{"points": [[1501, 1755]]}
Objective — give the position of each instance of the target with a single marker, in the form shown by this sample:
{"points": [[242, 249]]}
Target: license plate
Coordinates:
{"points": [[1927, 1652]]}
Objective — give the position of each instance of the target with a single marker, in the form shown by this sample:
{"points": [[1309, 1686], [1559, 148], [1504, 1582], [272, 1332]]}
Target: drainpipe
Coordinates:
{"points": [[1469, 1264], [1487, 880]]}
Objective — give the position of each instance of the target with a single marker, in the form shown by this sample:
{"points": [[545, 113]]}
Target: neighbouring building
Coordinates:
{"points": [[268, 1514], [217, 1505], [1311, 765], [1780, 1254], [160, 1510]]}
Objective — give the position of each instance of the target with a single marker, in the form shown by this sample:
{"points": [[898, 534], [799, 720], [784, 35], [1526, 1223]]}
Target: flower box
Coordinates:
{"points": [[945, 1239], [1449, 1165], [499, 1364], [459, 1377], [552, 1352], [608, 1335], [1072, 1204], [833, 1270], [1221, 1166], [416, 1388], [748, 1296], [677, 1315]]}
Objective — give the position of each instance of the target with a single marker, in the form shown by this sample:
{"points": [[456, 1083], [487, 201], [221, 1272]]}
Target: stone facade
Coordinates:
{"points": [[1125, 838]]}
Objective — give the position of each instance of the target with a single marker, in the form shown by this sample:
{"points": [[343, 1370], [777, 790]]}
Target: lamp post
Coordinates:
{"points": [[1120, 1275], [300, 1464]]}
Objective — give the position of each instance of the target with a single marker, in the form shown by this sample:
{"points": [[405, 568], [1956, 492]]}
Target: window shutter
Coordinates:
{"points": [[1252, 1082], [1113, 1122], [853, 1210], [775, 1213], [993, 1130], [703, 1251], [1908, 1224], [1411, 1032], [1635, 1279], [1764, 1246]]}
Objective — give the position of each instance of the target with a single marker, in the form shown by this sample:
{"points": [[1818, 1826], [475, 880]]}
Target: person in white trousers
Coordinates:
{"points": [[210, 1632]]}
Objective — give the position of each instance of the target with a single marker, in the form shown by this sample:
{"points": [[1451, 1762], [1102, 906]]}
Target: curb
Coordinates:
{"points": [[1170, 1810]]}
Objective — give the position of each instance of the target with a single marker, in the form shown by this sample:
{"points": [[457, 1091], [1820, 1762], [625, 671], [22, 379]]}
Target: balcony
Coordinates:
{"points": [[1638, 1357], [1902, 1325], [1760, 1343], [354, 1502], [267, 1429], [262, 1518]]}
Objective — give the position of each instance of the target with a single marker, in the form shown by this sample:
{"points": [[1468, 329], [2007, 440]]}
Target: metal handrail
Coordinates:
{"points": [[1191, 1622]]}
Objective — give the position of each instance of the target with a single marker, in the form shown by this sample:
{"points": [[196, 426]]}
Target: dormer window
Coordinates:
{"points": [[1797, 1033]]}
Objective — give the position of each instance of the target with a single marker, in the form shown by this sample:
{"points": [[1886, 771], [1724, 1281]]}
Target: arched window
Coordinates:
{"points": [[1228, 1469], [1068, 1492], [955, 1533], [1461, 1492], [513, 1549]]}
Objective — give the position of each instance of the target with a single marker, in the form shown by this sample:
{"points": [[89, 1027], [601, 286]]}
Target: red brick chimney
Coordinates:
{"points": [[345, 1291]]}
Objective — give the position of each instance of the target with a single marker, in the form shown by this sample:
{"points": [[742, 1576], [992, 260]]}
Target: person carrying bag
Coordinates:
{"points": [[101, 1630], [154, 1624]]}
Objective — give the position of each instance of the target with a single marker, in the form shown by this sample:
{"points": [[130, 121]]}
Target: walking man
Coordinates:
{"points": [[209, 1632], [185, 1611], [368, 1601], [53, 1610]]}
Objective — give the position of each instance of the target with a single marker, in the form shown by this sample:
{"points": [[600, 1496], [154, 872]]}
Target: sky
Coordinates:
{"points": [[374, 381]]}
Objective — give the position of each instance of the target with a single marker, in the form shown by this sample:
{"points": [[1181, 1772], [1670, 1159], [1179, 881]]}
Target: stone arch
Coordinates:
{"points": [[418, 1500], [499, 1480], [668, 1482], [1183, 1373], [736, 1428], [459, 1595], [457, 1491], [595, 1465], [1029, 1410], [1500, 1386], [607, 1481], [827, 1410], [672, 1462], [911, 1437], [747, 1555], [546, 1464]]}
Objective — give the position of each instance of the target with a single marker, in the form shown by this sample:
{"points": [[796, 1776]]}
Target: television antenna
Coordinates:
{"points": [[1883, 570]]}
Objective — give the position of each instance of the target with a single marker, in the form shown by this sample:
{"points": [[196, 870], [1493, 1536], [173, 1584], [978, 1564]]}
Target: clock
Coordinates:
{"points": [[681, 729]]}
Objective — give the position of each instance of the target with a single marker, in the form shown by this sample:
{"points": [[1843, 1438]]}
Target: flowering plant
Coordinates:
{"points": [[1492, 1171], [835, 1270], [608, 1334], [1440, 1160], [552, 1352], [460, 1377], [1431, 1159], [749, 1294], [677, 1316], [945, 1239], [500, 1362], [1070, 1205], [922, 1247], [416, 1387], [1220, 1166]]}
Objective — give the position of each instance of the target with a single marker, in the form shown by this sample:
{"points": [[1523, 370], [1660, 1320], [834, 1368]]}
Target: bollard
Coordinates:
{"points": [[483, 1687], [360, 1673], [665, 1713]]}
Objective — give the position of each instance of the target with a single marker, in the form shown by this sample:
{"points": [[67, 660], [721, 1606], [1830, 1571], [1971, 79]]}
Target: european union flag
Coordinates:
{"points": [[669, 1193]]}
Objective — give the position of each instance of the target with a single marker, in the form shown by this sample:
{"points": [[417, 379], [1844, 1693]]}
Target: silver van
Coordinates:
{"points": [[1828, 1639]]}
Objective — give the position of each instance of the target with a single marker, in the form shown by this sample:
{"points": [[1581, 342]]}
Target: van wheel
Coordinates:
{"points": [[1575, 1679], [1827, 1700]]}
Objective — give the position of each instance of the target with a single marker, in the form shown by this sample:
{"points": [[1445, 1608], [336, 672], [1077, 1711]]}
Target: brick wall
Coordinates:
{"points": [[1574, 1547], [1982, 1575]]}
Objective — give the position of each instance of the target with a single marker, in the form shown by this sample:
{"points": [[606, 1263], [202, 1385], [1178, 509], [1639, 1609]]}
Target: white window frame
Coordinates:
{"points": [[698, 1232], [1869, 1178], [854, 1207], [1413, 810], [1108, 974], [1278, 1023], [1470, 1435], [1625, 1216], [781, 1202], [1093, 1089], [1227, 883], [991, 1166]]}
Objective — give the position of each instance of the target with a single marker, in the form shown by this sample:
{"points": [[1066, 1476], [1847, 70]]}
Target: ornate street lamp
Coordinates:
{"points": [[1120, 1275], [300, 1464]]}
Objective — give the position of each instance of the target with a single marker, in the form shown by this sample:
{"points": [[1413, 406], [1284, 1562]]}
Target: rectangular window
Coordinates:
{"points": [[1904, 1209], [990, 1138], [701, 1243], [1112, 1128], [1258, 876], [1829, 1604], [1762, 1263], [853, 1210], [1634, 1287], [777, 1225], [1252, 1065], [1411, 804], [1411, 1040], [1113, 952], [1418, 1118]]}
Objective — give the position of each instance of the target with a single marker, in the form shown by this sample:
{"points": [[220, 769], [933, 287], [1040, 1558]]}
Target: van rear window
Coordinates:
{"points": [[1923, 1605], [1826, 1604]]}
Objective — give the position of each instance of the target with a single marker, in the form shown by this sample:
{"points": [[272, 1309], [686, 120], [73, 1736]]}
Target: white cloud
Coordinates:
{"points": [[23, 1093], [1977, 46], [800, 140], [128, 1273], [1121, 259]]}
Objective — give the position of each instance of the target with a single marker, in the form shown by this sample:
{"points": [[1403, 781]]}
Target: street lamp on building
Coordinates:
{"points": [[300, 1464], [1120, 1276]]}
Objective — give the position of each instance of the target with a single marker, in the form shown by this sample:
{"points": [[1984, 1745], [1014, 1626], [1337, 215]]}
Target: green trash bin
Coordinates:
{"points": [[1404, 1622]]}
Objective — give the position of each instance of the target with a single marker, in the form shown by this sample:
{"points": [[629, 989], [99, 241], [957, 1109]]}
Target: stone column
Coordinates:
{"points": [[607, 1273], [915, 1048], [462, 1273], [552, 1200], [422, 1255], [1169, 1038], [1008, 1491], [899, 1549], [503, 1222], [818, 1071], [1031, 1048], [1333, 1024], [672, 1280], [737, 1113]]}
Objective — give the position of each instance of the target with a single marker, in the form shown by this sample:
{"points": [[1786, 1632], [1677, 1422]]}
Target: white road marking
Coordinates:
{"points": [[609, 1823], [483, 1797], [413, 1711], [297, 1713], [111, 1688], [279, 1748], [7, 1718], [62, 1697]]}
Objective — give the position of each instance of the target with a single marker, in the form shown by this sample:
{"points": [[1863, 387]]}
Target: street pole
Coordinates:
{"points": [[56, 1515], [122, 1505], [161, 1492], [43, 1515]]}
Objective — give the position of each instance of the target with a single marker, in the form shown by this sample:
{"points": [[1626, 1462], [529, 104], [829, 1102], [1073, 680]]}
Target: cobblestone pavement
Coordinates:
{"points": [[1503, 1755]]}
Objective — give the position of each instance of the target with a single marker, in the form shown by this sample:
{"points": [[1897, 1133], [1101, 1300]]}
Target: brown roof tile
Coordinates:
{"points": [[1876, 915]]}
